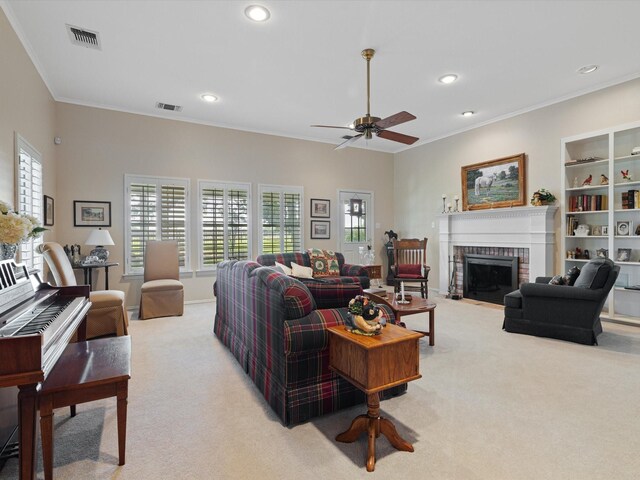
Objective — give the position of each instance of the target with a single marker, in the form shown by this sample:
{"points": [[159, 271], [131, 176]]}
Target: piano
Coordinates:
{"points": [[37, 322]]}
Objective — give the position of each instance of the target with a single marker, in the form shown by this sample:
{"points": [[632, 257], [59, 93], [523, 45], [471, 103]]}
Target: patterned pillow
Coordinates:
{"points": [[557, 280], [571, 276], [324, 263]]}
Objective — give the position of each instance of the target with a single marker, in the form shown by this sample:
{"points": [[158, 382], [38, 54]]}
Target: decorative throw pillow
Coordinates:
{"points": [[557, 280], [301, 271], [324, 263], [286, 270], [594, 274], [571, 276]]}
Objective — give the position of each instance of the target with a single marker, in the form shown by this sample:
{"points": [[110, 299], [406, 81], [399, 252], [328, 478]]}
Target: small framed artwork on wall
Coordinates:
{"points": [[91, 214], [48, 211], [320, 208], [320, 229]]}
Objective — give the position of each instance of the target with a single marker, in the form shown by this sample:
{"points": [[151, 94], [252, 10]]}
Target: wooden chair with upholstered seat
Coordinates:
{"points": [[410, 257], [107, 315], [162, 293]]}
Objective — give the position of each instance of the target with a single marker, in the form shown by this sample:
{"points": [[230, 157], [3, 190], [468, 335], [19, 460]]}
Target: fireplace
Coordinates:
{"points": [[523, 232], [489, 277]]}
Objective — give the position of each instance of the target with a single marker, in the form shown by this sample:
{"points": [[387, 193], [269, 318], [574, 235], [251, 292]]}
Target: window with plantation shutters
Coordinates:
{"points": [[29, 197], [157, 209], [281, 219], [225, 232]]}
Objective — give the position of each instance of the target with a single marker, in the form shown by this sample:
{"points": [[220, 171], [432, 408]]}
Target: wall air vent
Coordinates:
{"points": [[83, 37], [167, 106]]}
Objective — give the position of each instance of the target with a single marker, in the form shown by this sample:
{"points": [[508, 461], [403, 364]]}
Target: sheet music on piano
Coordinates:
{"points": [[36, 323]]}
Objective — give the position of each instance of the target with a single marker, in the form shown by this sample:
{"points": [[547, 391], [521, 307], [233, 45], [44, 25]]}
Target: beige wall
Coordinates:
{"points": [[26, 107], [100, 146], [423, 174]]}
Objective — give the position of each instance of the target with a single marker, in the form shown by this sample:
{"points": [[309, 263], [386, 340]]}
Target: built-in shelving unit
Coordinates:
{"points": [[603, 155]]}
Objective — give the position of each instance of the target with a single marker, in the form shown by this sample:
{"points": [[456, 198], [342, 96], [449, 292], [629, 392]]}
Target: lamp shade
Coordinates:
{"points": [[99, 237]]}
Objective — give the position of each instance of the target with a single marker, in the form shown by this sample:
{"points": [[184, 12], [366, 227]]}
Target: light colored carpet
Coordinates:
{"points": [[490, 405]]}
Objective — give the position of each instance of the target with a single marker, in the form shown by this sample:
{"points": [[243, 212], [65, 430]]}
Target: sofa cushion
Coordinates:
{"points": [[594, 274], [323, 262], [412, 270], [301, 271], [571, 276]]}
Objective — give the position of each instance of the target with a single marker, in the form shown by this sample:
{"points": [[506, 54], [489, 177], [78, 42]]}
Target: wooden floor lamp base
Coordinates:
{"points": [[374, 425]]}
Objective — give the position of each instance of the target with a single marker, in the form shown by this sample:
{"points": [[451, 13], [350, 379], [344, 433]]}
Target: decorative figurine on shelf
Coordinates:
{"points": [[575, 182], [604, 180], [364, 317], [625, 175], [542, 197], [587, 181], [75, 252]]}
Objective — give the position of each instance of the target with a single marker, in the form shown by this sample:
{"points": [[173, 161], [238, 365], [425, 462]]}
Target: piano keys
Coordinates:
{"points": [[36, 323]]}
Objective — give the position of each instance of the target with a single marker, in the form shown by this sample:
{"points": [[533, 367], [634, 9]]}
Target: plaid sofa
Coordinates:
{"points": [[328, 292], [270, 323]]}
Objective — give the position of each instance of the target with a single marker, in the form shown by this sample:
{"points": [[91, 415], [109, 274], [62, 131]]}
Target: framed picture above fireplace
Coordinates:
{"points": [[494, 184]]}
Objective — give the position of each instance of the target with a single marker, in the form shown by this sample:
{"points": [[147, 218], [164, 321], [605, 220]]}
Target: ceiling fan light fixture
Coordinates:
{"points": [[257, 13], [209, 97], [468, 113], [448, 78], [587, 69]]}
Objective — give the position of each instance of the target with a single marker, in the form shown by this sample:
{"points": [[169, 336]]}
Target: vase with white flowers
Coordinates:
{"points": [[16, 228]]}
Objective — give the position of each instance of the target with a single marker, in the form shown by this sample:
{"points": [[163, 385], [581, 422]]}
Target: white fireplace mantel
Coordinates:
{"points": [[519, 227]]}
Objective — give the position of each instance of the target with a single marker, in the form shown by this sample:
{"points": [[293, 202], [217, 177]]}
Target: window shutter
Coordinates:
{"points": [[158, 209], [142, 221], [238, 224], [173, 214], [224, 216], [29, 199], [282, 219]]}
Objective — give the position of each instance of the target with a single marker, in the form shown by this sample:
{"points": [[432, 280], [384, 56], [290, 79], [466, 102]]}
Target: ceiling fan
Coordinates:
{"points": [[367, 126]]}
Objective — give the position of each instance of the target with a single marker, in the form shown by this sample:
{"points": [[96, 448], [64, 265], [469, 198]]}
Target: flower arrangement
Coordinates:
{"points": [[16, 227], [541, 197]]}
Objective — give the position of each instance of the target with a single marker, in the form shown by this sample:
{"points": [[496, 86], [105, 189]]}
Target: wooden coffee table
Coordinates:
{"points": [[373, 364], [416, 305]]}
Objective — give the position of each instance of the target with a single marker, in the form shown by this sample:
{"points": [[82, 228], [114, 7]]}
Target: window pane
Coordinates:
{"points": [[212, 205], [173, 214], [29, 200], [143, 221], [271, 222], [238, 224]]}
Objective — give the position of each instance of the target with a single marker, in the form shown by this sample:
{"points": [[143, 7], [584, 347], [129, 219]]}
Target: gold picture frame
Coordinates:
{"points": [[498, 183]]}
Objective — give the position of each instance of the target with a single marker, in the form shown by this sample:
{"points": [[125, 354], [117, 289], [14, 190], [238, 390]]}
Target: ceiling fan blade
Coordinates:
{"points": [[398, 137], [394, 120], [331, 126], [348, 142]]}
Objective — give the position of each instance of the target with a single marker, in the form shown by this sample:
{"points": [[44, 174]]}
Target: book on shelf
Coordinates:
{"points": [[588, 203], [630, 199]]}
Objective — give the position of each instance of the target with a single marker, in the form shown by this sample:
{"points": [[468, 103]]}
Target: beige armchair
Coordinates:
{"points": [[107, 315], [162, 293]]}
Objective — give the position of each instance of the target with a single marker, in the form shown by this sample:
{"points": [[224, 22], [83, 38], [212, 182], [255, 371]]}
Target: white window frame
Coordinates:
{"points": [[226, 186], [159, 182], [281, 189], [33, 205]]}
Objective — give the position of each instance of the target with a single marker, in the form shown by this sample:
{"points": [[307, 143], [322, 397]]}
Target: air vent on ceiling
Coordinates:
{"points": [[167, 106], [83, 37]]}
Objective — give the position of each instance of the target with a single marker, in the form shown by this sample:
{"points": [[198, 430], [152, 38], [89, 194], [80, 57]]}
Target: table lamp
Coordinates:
{"points": [[99, 238]]}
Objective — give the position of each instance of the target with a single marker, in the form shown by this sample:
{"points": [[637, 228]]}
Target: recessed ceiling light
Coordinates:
{"points": [[587, 69], [448, 78], [468, 113], [209, 97], [257, 13]]}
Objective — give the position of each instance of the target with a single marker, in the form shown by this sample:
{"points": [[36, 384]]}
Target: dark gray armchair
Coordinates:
{"points": [[560, 311]]}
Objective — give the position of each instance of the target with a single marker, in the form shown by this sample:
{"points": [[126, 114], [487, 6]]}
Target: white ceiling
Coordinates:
{"points": [[304, 67]]}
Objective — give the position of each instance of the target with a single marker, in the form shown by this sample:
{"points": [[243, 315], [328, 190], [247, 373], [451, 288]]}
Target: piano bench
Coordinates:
{"points": [[85, 372]]}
